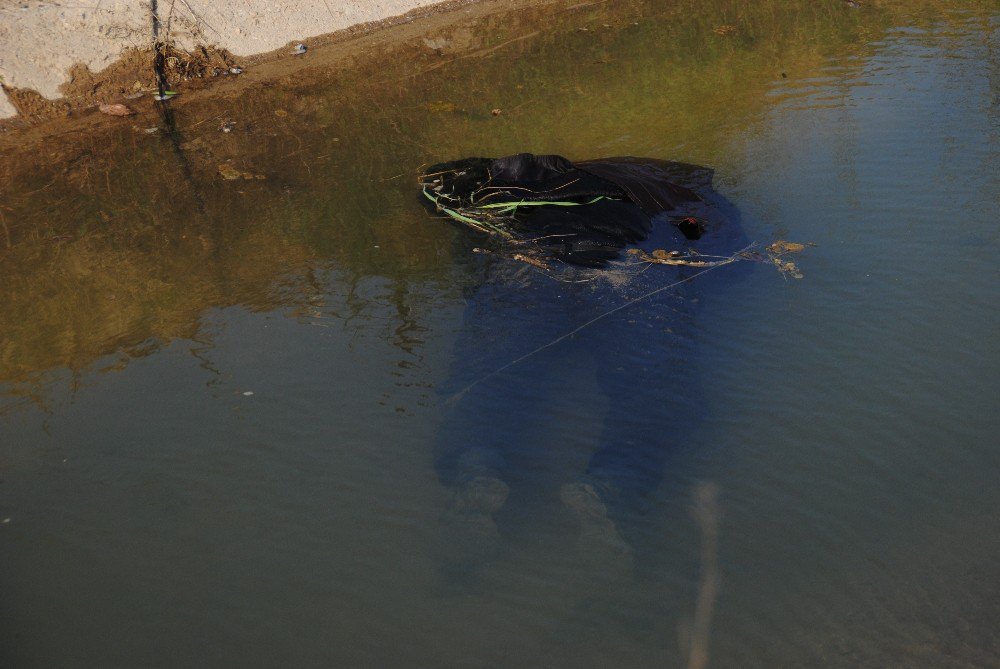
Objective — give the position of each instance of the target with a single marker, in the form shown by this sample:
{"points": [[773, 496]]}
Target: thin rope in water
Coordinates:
{"points": [[461, 393]]}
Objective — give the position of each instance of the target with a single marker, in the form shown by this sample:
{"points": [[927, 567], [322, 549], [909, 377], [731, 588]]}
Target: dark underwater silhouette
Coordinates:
{"points": [[645, 360]]}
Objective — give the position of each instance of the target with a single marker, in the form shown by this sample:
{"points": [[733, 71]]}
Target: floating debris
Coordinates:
{"points": [[541, 209], [299, 49], [166, 95], [689, 259], [236, 70], [531, 260], [116, 109], [227, 126], [280, 113], [550, 208], [496, 112], [786, 267], [781, 246], [778, 249]]}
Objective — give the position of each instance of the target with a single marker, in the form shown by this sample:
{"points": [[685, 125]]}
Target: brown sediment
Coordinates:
{"points": [[32, 106], [434, 35], [131, 75], [136, 71]]}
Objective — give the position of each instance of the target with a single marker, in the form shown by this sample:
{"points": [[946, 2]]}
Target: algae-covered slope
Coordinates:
{"points": [[117, 234]]}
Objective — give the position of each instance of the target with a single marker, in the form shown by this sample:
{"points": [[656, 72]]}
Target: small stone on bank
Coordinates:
{"points": [[228, 172], [117, 109]]}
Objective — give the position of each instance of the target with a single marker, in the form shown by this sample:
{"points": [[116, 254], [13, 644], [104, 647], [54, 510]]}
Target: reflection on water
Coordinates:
{"points": [[222, 420]]}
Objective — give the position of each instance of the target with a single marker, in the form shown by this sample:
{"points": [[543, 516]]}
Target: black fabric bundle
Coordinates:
{"points": [[583, 213]]}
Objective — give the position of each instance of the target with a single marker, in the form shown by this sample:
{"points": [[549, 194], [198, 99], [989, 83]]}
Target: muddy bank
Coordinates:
{"points": [[56, 58]]}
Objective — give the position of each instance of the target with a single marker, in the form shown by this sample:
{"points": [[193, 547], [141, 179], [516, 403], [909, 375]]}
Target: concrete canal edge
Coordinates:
{"points": [[58, 56]]}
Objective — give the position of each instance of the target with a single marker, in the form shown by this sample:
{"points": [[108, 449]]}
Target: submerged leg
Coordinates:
{"points": [[493, 418]]}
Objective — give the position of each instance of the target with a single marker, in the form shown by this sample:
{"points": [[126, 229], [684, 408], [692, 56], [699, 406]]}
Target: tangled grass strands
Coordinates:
{"points": [[479, 213], [490, 217], [504, 207], [479, 223]]}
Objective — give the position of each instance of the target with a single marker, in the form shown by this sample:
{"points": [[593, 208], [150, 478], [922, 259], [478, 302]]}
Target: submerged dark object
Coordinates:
{"points": [[583, 213]]}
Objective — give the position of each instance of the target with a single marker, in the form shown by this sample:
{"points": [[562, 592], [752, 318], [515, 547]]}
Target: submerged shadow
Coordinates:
{"points": [[641, 367]]}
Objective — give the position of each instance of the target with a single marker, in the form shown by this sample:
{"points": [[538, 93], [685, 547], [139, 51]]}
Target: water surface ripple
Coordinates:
{"points": [[224, 431]]}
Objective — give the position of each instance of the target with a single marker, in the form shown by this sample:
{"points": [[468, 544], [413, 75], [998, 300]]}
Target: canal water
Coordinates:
{"points": [[235, 412]]}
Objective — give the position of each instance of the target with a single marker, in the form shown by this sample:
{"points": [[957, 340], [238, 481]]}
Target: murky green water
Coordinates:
{"points": [[224, 402]]}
